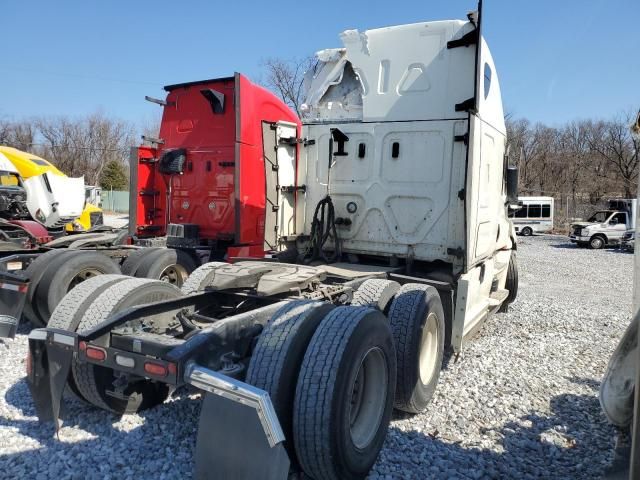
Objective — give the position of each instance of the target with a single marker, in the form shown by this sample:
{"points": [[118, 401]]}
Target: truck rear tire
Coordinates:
{"points": [[170, 265], [68, 313], [511, 283], [65, 272], [275, 362], [597, 242], [416, 317], [134, 259], [375, 292], [34, 273], [344, 394], [201, 277], [94, 381]]}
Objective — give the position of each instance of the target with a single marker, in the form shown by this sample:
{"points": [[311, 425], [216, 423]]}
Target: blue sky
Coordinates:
{"points": [[557, 59]]}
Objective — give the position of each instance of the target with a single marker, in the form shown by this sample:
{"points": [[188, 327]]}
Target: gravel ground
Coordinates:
{"points": [[520, 402], [116, 220]]}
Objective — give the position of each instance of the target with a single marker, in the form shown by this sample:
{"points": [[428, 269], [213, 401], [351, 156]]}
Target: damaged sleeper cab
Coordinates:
{"points": [[388, 241]]}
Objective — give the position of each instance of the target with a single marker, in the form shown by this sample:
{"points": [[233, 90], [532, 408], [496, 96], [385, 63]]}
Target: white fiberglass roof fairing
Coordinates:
{"points": [[401, 73]]}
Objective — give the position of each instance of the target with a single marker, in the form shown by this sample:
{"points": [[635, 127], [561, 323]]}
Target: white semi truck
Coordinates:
{"points": [[606, 227], [391, 205]]}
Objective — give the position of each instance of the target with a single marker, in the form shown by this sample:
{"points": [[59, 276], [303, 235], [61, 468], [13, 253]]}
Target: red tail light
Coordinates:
{"points": [[155, 369], [95, 353]]}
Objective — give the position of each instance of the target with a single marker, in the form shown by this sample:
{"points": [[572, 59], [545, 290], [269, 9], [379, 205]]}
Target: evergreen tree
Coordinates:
{"points": [[114, 176]]}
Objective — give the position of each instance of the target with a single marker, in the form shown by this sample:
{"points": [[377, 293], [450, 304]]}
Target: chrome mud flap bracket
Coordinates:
{"points": [[50, 356], [239, 435]]}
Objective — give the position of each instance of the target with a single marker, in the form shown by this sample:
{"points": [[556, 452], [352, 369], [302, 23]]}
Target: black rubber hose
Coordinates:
{"points": [[323, 227]]}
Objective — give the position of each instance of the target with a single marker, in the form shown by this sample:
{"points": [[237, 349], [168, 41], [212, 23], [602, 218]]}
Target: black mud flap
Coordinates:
{"points": [[232, 444], [13, 293], [38, 379], [239, 435], [50, 363]]}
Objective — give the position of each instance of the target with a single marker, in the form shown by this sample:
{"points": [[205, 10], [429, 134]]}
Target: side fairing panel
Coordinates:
{"points": [[256, 105], [487, 218], [148, 205]]}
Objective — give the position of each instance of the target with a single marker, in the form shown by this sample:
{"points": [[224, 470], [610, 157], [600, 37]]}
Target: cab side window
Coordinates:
{"points": [[8, 180], [522, 213], [621, 218], [535, 210], [546, 211]]}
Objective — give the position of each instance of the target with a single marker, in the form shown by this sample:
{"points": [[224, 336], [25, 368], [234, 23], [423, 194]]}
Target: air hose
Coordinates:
{"points": [[323, 227]]}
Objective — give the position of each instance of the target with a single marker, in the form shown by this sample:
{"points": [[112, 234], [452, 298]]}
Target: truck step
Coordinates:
{"points": [[497, 297]]}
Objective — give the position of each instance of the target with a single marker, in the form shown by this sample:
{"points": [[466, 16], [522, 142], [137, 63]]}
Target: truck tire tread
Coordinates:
{"points": [[376, 292], [275, 362], [201, 277], [98, 311], [56, 279], [34, 273], [65, 316], [407, 319], [317, 385], [134, 259]]}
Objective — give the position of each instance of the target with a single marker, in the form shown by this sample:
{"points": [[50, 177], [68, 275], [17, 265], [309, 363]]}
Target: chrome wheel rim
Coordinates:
{"points": [[368, 398], [174, 274], [428, 349], [83, 275]]}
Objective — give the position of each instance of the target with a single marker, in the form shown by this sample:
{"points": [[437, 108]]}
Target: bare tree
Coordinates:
{"points": [[635, 128], [581, 163], [81, 146], [613, 141], [286, 78], [20, 135]]}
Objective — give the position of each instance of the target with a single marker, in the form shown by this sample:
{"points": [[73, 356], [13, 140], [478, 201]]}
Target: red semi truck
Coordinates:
{"points": [[203, 182], [202, 191]]}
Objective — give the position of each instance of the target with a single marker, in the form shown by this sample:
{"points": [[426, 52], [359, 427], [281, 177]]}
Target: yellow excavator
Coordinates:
{"points": [[52, 195]]}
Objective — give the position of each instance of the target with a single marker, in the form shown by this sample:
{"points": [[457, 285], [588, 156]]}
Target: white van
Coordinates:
{"points": [[535, 216]]}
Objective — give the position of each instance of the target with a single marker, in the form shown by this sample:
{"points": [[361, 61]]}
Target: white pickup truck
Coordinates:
{"points": [[606, 227]]}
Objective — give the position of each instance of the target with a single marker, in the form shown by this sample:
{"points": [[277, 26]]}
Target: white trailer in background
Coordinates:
{"points": [[534, 216]]}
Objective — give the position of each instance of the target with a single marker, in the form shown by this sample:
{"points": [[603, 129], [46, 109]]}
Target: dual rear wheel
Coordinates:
{"points": [[55, 273], [89, 304], [169, 265], [335, 374]]}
